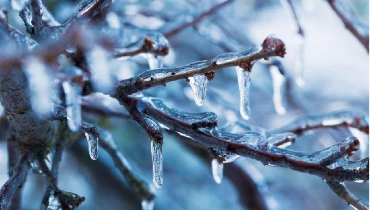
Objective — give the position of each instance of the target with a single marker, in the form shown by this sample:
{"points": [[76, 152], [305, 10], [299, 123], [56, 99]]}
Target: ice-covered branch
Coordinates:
{"points": [[66, 200], [356, 27], [16, 180], [341, 190], [198, 18], [341, 118], [270, 47], [202, 128]]}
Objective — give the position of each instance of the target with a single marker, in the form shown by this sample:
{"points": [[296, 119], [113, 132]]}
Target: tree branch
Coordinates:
{"points": [[16, 181], [197, 19], [270, 47], [351, 22], [341, 190]]}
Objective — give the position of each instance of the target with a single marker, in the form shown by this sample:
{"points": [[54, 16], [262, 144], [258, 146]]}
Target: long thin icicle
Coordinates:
{"points": [[154, 61], [157, 158], [244, 84], [93, 145], [198, 84], [278, 81], [73, 101], [217, 171]]}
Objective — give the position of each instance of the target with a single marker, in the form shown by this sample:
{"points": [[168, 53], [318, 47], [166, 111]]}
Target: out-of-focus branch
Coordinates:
{"points": [[142, 189], [197, 19], [145, 45], [270, 47], [289, 7], [351, 22], [16, 180], [342, 118], [341, 190]]}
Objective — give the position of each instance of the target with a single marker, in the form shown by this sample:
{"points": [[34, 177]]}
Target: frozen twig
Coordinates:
{"points": [[145, 45], [16, 180], [351, 22], [205, 133], [270, 47], [198, 18], [341, 190]]}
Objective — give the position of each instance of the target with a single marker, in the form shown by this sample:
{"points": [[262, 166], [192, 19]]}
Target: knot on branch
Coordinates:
{"points": [[271, 43]]}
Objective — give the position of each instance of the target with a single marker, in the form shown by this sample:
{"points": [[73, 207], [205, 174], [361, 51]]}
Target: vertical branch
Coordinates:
{"points": [[37, 12], [16, 181]]}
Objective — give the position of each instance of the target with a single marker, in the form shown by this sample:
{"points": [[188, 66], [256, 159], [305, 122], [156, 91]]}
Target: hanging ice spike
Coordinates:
{"points": [[93, 145], [157, 159], [198, 84], [217, 171], [277, 84], [73, 101], [244, 84]]}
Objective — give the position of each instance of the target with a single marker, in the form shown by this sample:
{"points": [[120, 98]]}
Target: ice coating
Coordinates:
{"points": [[198, 84], [93, 145]]}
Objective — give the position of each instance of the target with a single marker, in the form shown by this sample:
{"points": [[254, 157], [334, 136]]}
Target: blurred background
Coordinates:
{"points": [[335, 73]]}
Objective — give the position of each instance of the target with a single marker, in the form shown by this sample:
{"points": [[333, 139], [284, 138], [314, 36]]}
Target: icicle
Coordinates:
{"points": [[36, 167], [53, 203], [157, 159], [198, 84], [154, 61], [147, 205], [278, 81], [244, 84], [93, 145], [299, 62], [73, 101], [217, 171]]}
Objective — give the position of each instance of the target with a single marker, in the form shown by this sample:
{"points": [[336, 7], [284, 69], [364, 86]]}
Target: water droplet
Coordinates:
{"points": [[73, 101], [217, 171], [147, 205], [198, 84], [93, 145], [157, 159], [244, 84], [278, 81]]}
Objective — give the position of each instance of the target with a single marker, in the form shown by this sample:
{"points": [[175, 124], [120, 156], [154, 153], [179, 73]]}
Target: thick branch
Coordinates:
{"points": [[341, 190], [16, 181], [351, 22], [270, 47]]}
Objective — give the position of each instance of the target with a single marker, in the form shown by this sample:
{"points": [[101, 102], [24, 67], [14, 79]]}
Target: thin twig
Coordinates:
{"points": [[197, 19], [350, 21], [341, 190]]}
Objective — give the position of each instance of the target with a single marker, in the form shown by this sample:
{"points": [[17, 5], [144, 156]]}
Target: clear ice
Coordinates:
{"points": [[147, 205], [217, 171], [244, 84], [198, 84], [93, 145], [157, 159]]}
